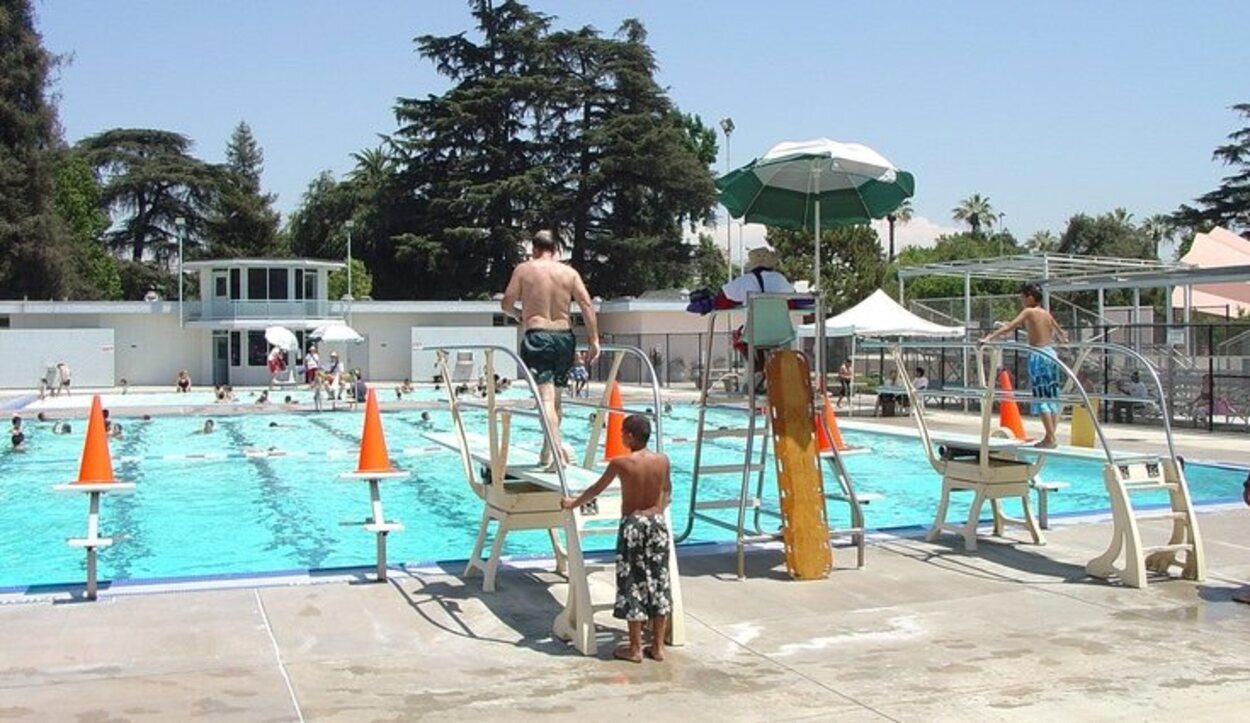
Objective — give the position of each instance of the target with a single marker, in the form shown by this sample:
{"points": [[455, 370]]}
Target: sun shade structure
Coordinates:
{"points": [[1218, 249], [880, 316], [336, 333], [805, 184], [1038, 267]]}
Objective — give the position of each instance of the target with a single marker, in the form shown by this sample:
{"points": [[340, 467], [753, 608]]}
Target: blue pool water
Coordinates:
{"points": [[204, 508]]}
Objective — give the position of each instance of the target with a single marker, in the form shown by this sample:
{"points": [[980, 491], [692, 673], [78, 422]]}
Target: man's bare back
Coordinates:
{"points": [[545, 287]]}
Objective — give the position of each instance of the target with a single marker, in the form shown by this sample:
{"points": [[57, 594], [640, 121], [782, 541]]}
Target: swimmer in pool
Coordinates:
{"points": [[17, 438], [209, 426]]}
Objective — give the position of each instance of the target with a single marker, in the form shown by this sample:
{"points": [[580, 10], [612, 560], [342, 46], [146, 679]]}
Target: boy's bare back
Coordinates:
{"points": [[645, 482], [1040, 325]]}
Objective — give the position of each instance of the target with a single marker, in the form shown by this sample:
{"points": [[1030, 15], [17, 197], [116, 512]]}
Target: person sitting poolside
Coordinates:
{"points": [[183, 383], [263, 398]]}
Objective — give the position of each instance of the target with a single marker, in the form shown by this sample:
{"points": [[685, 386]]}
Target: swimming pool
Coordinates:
{"points": [[252, 498], [204, 397]]}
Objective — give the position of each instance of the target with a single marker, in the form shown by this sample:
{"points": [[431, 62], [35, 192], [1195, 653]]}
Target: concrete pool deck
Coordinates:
{"points": [[924, 632]]}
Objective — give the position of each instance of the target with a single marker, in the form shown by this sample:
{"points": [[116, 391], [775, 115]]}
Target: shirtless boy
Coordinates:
{"points": [[1043, 369], [643, 588], [545, 287]]}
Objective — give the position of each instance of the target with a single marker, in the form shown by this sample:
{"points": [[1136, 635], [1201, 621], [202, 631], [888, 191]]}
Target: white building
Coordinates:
{"points": [[218, 333]]}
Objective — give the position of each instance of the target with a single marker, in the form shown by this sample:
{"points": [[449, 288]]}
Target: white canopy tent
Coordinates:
{"points": [[880, 316]]}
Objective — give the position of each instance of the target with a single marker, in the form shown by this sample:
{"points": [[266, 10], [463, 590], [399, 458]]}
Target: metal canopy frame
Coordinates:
{"points": [[1040, 267]]}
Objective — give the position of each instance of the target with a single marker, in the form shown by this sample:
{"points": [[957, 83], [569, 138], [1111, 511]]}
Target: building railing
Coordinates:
{"points": [[229, 310]]}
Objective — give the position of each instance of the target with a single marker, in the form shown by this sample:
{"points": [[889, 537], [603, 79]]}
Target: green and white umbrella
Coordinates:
{"points": [[807, 184]]}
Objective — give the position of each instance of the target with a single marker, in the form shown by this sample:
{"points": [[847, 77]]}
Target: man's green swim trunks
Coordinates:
{"points": [[549, 354]]}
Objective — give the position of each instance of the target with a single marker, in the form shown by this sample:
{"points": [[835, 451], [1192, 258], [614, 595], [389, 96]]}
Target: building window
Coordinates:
{"points": [[236, 286], [258, 284], [299, 284], [220, 285], [310, 285], [4, 322], [278, 285], [257, 349], [235, 349]]}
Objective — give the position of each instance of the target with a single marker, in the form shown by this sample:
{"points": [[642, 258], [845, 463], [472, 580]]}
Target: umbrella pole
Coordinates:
{"points": [[817, 289]]}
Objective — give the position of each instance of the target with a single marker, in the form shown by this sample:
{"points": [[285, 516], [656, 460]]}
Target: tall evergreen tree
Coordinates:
{"points": [[242, 221], [78, 205], [1228, 205], [34, 254], [150, 179]]}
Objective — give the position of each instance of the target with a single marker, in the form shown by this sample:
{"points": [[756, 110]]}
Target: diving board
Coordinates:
{"points": [[520, 493]]}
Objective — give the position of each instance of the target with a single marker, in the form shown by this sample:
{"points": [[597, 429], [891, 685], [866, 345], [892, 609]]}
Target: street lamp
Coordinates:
{"points": [[180, 223], [727, 125], [348, 224], [1001, 231]]}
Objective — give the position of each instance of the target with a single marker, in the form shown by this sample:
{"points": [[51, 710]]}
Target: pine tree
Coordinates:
{"points": [[242, 222], [150, 179], [34, 253], [1228, 205]]}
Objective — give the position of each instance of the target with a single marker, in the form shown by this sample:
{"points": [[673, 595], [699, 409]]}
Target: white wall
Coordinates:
{"points": [[151, 349], [423, 363], [28, 352]]}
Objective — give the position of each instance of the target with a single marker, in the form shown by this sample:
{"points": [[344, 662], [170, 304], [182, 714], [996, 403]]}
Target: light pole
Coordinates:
{"points": [[180, 224], [348, 224], [1001, 230], [727, 125]]}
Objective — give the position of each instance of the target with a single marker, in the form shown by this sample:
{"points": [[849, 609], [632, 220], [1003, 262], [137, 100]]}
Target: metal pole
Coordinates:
{"points": [[967, 327], [1189, 302], [1137, 319], [349, 260], [181, 224]]}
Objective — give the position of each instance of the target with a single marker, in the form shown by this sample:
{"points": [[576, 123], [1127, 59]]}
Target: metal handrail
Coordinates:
{"points": [[1105, 347], [533, 387]]}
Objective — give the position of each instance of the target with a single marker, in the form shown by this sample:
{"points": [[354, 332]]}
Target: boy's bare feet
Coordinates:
{"points": [[625, 652], [656, 654]]}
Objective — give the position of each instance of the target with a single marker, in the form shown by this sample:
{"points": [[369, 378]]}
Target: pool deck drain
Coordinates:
{"points": [[924, 632]]}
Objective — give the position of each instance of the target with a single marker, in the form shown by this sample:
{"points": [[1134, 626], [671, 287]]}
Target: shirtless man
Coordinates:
{"points": [[545, 287], [643, 588], [1043, 370]]}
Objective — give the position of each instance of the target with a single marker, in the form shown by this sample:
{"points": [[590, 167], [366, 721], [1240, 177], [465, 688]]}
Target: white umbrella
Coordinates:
{"points": [[281, 337], [336, 333]]}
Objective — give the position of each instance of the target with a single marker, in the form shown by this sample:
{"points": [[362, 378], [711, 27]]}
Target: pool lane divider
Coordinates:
{"points": [[373, 466], [95, 478]]}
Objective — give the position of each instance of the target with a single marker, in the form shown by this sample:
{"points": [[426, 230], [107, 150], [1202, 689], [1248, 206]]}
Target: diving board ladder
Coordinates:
{"points": [[767, 327], [1124, 475], [519, 493]]}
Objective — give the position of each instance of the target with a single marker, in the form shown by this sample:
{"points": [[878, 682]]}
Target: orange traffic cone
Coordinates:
{"points": [[830, 422], [97, 464], [373, 454], [1008, 411], [614, 446]]}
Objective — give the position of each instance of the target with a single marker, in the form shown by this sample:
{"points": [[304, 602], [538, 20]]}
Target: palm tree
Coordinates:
{"points": [[373, 167], [902, 214], [1159, 227], [1043, 242], [975, 211]]}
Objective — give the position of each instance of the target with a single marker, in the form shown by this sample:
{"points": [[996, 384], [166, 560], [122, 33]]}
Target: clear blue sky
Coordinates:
{"points": [[1048, 108]]}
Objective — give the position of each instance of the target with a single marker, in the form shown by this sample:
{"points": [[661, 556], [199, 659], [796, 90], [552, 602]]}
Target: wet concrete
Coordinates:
{"points": [[924, 632]]}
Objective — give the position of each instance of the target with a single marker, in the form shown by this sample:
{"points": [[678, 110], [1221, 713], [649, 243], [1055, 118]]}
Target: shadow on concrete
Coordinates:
{"points": [[527, 607]]}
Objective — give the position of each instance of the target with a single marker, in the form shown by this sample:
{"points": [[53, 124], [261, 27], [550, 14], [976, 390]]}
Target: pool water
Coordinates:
{"points": [[252, 498]]}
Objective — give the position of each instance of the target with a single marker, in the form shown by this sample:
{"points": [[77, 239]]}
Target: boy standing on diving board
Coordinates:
{"points": [[643, 589], [1043, 368]]}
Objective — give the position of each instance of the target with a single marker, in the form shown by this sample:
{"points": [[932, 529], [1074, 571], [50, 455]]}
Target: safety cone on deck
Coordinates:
{"points": [[831, 422], [614, 446], [1008, 411], [97, 464], [373, 454]]}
